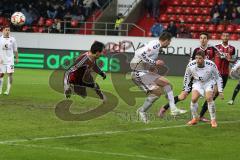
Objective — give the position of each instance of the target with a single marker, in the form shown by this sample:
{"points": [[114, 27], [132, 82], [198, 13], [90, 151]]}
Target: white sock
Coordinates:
{"points": [[212, 110], [148, 103], [1, 84], [170, 96], [8, 85], [194, 109]]}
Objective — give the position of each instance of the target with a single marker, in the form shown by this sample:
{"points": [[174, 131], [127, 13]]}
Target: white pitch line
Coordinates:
{"points": [[91, 151], [106, 133]]}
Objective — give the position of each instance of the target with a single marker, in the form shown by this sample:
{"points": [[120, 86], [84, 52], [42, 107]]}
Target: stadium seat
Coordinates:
{"points": [[25, 28], [215, 36], [187, 10], [199, 19], [181, 18], [205, 11], [41, 21], [74, 23], [203, 3], [230, 28], [195, 35], [173, 18], [237, 29], [193, 28], [40, 29], [163, 18], [202, 28], [207, 19], [234, 37], [178, 10], [220, 28], [1, 20], [190, 19], [211, 28], [170, 10], [196, 11], [184, 3], [193, 3], [49, 22], [176, 2], [35, 28]]}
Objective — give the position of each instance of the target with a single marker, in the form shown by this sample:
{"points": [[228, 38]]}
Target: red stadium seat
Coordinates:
{"points": [[173, 18], [211, 28], [35, 28], [178, 10], [206, 11], [25, 28], [195, 35], [230, 28], [193, 3], [193, 28], [182, 18], [202, 28], [74, 23], [234, 37], [49, 22], [196, 11], [203, 3], [176, 2], [187, 10], [1, 20], [215, 36], [237, 29], [164, 18], [207, 19], [199, 19], [190, 19], [41, 21], [185, 3], [170, 10], [40, 29], [220, 28]]}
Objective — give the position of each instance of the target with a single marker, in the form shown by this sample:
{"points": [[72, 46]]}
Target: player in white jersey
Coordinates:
{"points": [[144, 65], [235, 73], [205, 75], [8, 47]]}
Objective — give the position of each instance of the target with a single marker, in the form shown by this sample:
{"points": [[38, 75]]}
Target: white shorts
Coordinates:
{"points": [[6, 68], [202, 88], [145, 80]]}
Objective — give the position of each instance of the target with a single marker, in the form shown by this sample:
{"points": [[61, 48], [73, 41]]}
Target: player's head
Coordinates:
{"points": [[6, 31], [225, 37], [200, 56], [97, 48], [203, 39], [165, 39]]}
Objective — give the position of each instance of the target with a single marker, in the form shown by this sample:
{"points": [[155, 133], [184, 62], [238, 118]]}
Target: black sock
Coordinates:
{"points": [[236, 90], [204, 109], [98, 91], [176, 100]]}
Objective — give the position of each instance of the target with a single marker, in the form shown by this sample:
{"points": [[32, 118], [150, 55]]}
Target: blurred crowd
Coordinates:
{"points": [[57, 10], [227, 11]]}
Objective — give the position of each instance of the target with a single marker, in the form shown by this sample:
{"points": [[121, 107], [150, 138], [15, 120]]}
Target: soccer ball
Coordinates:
{"points": [[18, 18]]}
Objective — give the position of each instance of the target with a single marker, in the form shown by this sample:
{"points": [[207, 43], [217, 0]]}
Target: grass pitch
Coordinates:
{"points": [[30, 129]]}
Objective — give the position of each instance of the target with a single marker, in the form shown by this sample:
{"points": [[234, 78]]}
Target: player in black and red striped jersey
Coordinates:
{"points": [[222, 62], [78, 76]]}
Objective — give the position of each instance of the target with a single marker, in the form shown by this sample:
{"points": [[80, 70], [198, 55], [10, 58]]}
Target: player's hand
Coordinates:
{"points": [[159, 63], [221, 95], [104, 76]]}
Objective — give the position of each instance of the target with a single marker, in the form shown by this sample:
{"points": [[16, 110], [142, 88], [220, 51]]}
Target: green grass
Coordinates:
{"points": [[28, 114]]}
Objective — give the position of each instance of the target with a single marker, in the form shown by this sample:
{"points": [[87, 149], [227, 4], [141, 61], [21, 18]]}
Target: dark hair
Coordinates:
{"points": [[204, 33], [165, 36], [97, 47], [200, 53]]}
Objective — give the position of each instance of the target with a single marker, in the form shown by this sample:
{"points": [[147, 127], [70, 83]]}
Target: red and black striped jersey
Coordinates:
{"points": [[223, 64], [81, 66], [210, 52]]}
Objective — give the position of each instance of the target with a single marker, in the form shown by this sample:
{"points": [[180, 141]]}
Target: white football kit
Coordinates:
{"points": [[143, 60], [235, 71], [204, 78], [7, 48]]}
